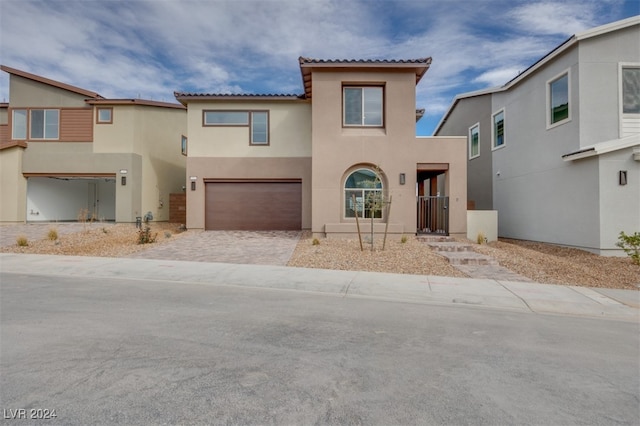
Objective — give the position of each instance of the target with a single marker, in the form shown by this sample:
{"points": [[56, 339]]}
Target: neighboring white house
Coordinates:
{"points": [[556, 150]]}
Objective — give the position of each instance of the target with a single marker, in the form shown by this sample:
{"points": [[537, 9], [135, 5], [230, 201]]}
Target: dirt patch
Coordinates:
{"points": [[96, 239]]}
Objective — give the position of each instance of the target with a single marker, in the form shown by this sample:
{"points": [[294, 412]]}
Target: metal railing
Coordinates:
{"points": [[433, 215]]}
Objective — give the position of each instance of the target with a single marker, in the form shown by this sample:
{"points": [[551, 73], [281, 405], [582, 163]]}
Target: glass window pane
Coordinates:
{"points": [[559, 99], [363, 178], [104, 115], [474, 142], [259, 128], [498, 129], [353, 106], [229, 118], [372, 106], [19, 124], [352, 200], [51, 124], [631, 90], [37, 123]]}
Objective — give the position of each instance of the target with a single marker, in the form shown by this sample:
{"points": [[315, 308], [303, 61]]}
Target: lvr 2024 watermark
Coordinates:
{"points": [[31, 414]]}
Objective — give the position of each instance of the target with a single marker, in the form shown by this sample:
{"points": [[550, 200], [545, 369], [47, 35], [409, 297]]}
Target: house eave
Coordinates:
{"points": [[604, 148], [50, 82]]}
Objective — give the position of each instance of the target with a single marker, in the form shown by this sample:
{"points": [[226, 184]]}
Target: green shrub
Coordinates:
{"points": [[631, 245], [22, 241], [403, 239], [145, 236], [53, 234], [315, 242]]}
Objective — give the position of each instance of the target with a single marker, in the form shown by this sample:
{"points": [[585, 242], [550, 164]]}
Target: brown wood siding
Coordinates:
{"points": [[76, 125], [4, 134], [253, 205], [178, 208]]}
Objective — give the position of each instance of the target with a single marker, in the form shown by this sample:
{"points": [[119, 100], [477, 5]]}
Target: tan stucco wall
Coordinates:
{"points": [[28, 93], [245, 168], [13, 186], [153, 134], [78, 158], [289, 131], [394, 149]]}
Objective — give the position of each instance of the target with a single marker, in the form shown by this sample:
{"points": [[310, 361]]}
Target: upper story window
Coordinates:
{"points": [[558, 108], [104, 115], [45, 124], [19, 124], [474, 141], [257, 121], [183, 145], [498, 129], [631, 90], [363, 106]]}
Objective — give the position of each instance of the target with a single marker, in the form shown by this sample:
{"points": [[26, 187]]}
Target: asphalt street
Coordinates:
{"points": [[141, 351]]}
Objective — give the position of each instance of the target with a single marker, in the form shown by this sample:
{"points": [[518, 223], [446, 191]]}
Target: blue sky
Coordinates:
{"points": [[148, 49]]}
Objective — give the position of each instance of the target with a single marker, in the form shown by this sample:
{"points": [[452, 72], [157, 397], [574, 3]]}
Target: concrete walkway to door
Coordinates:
{"points": [[243, 247]]}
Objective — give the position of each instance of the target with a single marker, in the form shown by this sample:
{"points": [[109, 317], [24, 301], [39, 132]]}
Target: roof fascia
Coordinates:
{"points": [[462, 96], [607, 28], [603, 148], [143, 102], [50, 82]]}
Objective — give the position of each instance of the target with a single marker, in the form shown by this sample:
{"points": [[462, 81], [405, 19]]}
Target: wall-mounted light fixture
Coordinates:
{"points": [[193, 180], [123, 177], [622, 177], [403, 178]]}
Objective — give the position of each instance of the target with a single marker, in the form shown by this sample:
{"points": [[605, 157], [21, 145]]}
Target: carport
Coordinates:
{"points": [[63, 197]]}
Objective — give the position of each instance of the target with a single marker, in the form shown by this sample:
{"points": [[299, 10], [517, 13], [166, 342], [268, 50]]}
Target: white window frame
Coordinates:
{"points": [[13, 124], [548, 111], [621, 114], [362, 107], [360, 200], [471, 156], [44, 124], [98, 118], [493, 130]]}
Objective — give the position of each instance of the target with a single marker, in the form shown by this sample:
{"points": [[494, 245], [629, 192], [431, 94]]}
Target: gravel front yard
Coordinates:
{"points": [[542, 263]]}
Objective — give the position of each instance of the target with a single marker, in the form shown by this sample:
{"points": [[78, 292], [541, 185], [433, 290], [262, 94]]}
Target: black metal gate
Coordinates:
{"points": [[433, 215]]}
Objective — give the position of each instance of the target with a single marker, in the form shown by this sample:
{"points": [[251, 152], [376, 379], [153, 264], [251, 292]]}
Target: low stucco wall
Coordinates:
{"points": [[482, 221]]}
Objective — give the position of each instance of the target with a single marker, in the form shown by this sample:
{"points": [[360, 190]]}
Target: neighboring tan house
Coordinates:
{"points": [[313, 161], [66, 151], [556, 150]]}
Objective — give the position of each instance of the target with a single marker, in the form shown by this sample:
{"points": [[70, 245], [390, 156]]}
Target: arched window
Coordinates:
{"points": [[363, 193]]}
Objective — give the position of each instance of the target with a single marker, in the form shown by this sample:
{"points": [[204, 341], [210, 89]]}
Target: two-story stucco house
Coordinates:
{"points": [[556, 150], [311, 161], [66, 151]]}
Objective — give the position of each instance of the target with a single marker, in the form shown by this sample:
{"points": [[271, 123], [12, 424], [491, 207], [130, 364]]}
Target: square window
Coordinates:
{"points": [[363, 106], [558, 99], [104, 116], [44, 124], [474, 141]]}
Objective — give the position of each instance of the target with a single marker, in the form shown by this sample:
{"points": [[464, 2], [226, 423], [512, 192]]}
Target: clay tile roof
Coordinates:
{"points": [[420, 66], [185, 96]]}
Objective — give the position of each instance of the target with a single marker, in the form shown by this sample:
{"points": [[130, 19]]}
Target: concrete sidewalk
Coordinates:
{"points": [[516, 296]]}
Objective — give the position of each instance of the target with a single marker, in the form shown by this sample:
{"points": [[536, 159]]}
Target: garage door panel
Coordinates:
{"points": [[253, 206]]}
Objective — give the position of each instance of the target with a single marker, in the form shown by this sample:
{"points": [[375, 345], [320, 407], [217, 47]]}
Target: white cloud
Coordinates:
{"points": [[498, 76], [150, 48]]}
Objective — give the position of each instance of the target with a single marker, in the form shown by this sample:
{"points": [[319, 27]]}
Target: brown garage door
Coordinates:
{"points": [[253, 205]]}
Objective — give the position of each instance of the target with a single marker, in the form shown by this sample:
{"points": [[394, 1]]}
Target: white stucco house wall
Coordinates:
{"points": [[556, 150]]}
